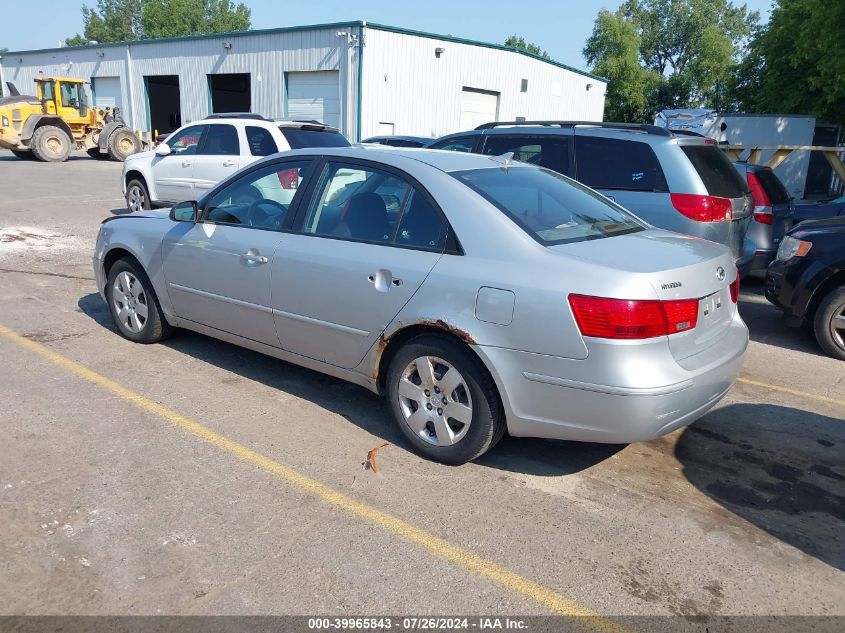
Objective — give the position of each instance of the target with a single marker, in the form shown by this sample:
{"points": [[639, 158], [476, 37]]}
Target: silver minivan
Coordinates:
{"points": [[669, 179]]}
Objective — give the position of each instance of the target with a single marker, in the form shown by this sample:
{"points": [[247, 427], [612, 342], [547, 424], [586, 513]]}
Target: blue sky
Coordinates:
{"points": [[561, 31]]}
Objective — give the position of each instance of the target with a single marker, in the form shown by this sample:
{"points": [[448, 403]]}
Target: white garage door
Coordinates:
{"points": [[314, 95], [106, 92], [477, 107]]}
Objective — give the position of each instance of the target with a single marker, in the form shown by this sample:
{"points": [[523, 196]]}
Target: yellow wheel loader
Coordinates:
{"points": [[48, 126]]}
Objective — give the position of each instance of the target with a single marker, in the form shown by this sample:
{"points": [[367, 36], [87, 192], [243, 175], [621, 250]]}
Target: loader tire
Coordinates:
{"points": [[50, 144], [123, 143]]}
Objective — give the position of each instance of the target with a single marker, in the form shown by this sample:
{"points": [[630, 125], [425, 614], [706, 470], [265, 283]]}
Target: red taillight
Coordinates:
{"points": [[703, 208], [288, 178], [762, 204], [761, 199], [632, 319], [735, 289]]}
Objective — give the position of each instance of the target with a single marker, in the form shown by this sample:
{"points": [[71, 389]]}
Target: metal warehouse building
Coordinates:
{"points": [[363, 78]]}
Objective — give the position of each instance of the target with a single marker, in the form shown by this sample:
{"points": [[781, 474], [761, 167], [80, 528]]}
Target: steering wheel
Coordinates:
{"points": [[256, 216]]}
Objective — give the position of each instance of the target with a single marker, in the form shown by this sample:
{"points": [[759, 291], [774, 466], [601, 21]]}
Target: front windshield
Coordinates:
{"points": [[552, 208]]}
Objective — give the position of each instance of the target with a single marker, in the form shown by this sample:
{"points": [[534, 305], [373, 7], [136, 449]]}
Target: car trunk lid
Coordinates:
{"points": [[677, 267]]}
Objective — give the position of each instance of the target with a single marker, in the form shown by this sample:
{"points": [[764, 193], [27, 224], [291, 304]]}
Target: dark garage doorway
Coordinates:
{"points": [[230, 92], [164, 105]]}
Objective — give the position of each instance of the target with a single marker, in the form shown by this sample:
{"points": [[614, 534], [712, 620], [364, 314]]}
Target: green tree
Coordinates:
{"points": [[794, 64], [690, 49], [519, 42], [129, 20], [172, 18], [110, 21], [613, 52]]}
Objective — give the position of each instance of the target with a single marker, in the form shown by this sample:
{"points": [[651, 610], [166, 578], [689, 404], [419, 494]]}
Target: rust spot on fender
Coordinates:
{"points": [[465, 336], [438, 324]]}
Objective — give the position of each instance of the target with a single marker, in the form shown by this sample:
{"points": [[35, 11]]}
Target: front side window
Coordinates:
{"points": [[462, 144], [186, 141], [70, 94], [260, 199], [610, 163], [551, 152], [548, 206], [260, 141], [221, 140], [364, 204]]}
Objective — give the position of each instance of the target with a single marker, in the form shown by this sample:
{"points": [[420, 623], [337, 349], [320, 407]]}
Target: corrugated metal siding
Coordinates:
{"points": [[405, 84], [266, 56]]}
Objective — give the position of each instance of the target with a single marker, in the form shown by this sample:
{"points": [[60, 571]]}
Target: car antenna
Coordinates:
{"points": [[505, 159]]}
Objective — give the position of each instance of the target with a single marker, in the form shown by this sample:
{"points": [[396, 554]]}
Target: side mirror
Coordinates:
{"points": [[163, 149], [184, 211]]}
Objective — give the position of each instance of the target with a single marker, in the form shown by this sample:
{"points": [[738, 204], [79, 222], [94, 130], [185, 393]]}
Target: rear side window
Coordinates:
{"points": [[772, 186], [610, 163], [548, 206], [551, 152], [299, 137], [462, 144], [719, 176], [260, 141], [221, 140]]}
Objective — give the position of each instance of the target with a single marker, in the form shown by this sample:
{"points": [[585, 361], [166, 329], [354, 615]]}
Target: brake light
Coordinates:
{"points": [[762, 204], [632, 319], [735, 289], [703, 208]]}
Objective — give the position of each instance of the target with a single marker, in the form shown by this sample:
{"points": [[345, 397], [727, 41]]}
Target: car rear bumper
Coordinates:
{"points": [[645, 393]]}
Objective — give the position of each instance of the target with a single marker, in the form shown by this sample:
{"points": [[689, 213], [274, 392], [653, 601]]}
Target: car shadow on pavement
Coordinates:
{"points": [[120, 211], [765, 321], [360, 406], [781, 469]]}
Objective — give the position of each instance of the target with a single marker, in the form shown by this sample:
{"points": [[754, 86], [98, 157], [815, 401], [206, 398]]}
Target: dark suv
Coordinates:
{"points": [[671, 180]]}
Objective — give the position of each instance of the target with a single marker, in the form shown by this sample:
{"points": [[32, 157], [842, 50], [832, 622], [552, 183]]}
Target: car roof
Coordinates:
{"points": [[582, 129], [444, 160]]}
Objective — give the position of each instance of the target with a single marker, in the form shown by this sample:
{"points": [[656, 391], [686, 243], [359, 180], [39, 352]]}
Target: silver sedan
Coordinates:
{"points": [[477, 294]]}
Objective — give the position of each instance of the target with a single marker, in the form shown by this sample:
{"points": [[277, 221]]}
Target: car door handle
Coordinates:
{"points": [[228, 163], [383, 280], [186, 163], [253, 257]]}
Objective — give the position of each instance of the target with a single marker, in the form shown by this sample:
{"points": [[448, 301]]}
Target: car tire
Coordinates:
{"points": [[420, 413], [133, 303], [122, 144], [50, 144], [137, 196], [829, 324], [23, 155]]}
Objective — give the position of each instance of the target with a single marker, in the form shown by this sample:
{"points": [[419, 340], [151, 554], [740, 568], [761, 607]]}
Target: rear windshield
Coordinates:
{"points": [[299, 137], [550, 207], [772, 186], [719, 176]]}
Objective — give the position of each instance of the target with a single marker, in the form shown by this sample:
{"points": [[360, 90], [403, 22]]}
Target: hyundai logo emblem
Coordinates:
{"points": [[720, 273]]}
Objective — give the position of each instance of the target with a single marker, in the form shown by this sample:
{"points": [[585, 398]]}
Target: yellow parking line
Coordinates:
{"points": [[440, 547], [794, 392]]}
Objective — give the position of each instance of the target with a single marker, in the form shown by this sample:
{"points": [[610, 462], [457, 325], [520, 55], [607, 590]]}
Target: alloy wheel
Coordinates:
{"points": [[837, 326], [130, 302], [435, 401], [135, 198]]}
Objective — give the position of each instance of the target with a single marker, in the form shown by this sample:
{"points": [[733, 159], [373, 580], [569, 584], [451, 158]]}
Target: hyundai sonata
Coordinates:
{"points": [[477, 294]]}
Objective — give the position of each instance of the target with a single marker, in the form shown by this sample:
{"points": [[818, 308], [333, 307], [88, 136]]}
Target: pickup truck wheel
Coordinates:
{"points": [[829, 324], [51, 144], [123, 143], [137, 196]]}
